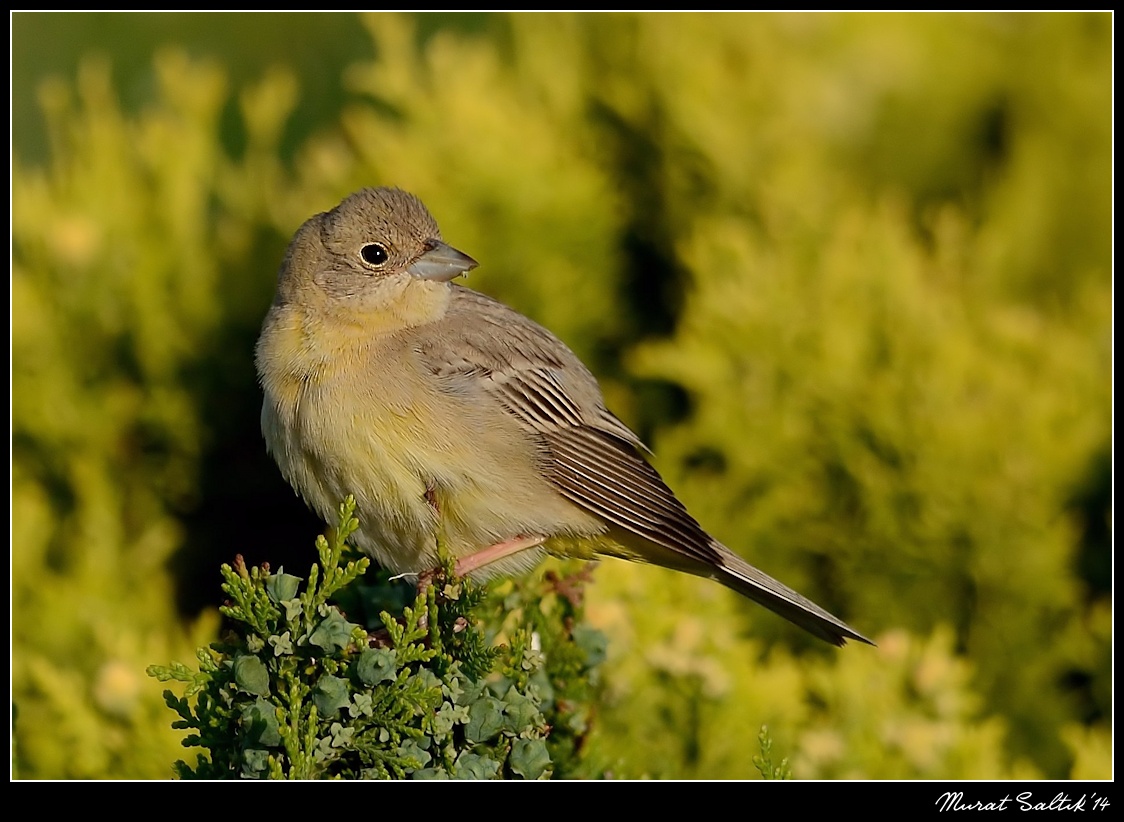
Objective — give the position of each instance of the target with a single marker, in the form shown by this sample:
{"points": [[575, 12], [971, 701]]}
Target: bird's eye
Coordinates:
{"points": [[373, 254]]}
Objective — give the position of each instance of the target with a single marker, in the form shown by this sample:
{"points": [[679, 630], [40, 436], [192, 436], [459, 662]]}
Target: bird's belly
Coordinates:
{"points": [[429, 474], [327, 450]]}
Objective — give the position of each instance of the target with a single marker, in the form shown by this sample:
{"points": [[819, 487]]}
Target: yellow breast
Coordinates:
{"points": [[427, 461]]}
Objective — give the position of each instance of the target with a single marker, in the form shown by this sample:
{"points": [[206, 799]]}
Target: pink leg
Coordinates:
{"points": [[468, 564]]}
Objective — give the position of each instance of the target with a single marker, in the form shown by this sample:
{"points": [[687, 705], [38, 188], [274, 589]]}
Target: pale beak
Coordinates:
{"points": [[441, 262]]}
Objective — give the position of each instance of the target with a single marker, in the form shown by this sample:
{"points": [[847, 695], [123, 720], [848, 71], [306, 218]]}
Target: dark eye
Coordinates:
{"points": [[373, 254]]}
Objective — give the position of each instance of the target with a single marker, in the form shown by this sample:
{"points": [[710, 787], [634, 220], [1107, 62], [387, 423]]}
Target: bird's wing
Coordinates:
{"points": [[592, 457]]}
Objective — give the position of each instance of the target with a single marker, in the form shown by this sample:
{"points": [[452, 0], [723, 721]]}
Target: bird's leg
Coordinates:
{"points": [[466, 565], [486, 556]]}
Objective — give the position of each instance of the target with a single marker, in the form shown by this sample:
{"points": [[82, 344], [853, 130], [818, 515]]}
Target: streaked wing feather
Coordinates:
{"points": [[536, 399], [595, 468], [597, 471], [592, 457]]}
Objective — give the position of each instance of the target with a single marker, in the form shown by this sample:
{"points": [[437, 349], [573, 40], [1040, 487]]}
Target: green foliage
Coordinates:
{"points": [[850, 275], [764, 762], [893, 380], [115, 261], [296, 691]]}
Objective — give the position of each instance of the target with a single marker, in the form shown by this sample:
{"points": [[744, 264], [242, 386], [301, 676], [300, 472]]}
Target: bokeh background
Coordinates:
{"points": [[849, 275]]}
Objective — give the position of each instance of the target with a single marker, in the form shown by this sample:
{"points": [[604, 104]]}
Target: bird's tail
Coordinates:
{"points": [[737, 574]]}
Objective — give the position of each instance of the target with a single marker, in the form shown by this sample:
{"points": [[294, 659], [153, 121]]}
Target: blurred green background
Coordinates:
{"points": [[849, 275]]}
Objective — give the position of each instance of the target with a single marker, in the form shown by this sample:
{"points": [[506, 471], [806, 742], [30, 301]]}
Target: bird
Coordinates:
{"points": [[458, 424]]}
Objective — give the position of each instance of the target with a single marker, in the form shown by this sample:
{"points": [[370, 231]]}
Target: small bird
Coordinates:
{"points": [[456, 421]]}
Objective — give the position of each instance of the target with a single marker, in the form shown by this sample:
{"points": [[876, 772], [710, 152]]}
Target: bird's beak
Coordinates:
{"points": [[441, 262]]}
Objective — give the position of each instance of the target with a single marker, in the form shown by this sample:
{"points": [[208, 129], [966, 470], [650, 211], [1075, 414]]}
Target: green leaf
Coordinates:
{"points": [[411, 749], [330, 695], [520, 712], [474, 766], [362, 704], [282, 645], [376, 665], [293, 609], [430, 773], [255, 762], [334, 632], [471, 690], [250, 674], [341, 735], [282, 586], [426, 679], [447, 717], [485, 719], [529, 758], [259, 722]]}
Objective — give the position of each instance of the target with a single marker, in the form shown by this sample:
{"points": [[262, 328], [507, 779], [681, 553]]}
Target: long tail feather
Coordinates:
{"points": [[742, 577]]}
